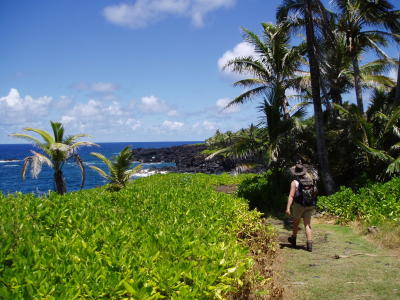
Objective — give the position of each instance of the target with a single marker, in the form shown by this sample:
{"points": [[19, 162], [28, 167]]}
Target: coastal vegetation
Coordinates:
{"points": [[119, 168], [56, 150], [166, 236], [173, 236]]}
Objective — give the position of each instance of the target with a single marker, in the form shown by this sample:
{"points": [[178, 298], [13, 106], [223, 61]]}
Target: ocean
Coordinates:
{"points": [[12, 159]]}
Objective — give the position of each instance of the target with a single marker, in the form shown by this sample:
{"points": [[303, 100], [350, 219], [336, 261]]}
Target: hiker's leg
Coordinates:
{"points": [[295, 228], [307, 225]]}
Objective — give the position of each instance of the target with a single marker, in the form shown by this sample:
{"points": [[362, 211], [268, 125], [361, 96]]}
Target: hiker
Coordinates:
{"points": [[301, 202]]}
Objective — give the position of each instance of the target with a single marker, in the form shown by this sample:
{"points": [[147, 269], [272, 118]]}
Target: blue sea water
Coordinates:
{"points": [[12, 159]]}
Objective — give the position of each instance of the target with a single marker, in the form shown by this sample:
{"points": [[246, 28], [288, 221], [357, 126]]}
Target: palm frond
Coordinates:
{"points": [[44, 134], [134, 170], [72, 138], [37, 160], [379, 154], [246, 96], [27, 162], [79, 162], [29, 138], [83, 144], [101, 172], [394, 167], [104, 159]]}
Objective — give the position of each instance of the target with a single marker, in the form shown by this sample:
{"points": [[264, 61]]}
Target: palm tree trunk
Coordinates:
{"points": [[59, 181], [327, 179], [397, 98], [357, 84]]}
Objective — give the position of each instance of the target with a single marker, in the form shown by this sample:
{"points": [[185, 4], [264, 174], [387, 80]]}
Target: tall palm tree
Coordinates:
{"points": [[306, 9], [360, 20], [57, 150], [275, 67], [119, 168], [337, 72]]}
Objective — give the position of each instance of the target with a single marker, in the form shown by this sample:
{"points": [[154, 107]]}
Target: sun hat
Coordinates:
{"points": [[298, 170]]}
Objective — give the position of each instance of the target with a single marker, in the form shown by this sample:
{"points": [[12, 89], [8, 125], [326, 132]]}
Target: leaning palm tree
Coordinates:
{"points": [[57, 150], [119, 168]]}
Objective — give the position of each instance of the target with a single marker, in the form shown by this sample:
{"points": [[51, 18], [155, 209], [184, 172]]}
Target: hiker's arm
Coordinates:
{"points": [[291, 197]]}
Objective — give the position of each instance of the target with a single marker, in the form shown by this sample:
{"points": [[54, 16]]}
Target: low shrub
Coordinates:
{"points": [[167, 236], [267, 192], [372, 204]]}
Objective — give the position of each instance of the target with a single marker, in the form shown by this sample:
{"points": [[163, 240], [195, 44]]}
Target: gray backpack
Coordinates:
{"points": [[306, 195]]}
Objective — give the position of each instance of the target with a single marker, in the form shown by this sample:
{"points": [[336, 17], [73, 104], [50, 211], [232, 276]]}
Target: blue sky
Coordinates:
{"points": [[144, 70]]}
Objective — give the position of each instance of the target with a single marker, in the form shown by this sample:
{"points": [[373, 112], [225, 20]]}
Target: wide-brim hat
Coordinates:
{"points": [[298, 170]]}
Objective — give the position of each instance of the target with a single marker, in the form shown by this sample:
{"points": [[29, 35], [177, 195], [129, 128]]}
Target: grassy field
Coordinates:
{"points": [[163, 237]]}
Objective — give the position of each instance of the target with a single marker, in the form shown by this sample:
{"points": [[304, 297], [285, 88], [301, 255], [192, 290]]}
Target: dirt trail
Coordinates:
{"points": [[343, 265]]}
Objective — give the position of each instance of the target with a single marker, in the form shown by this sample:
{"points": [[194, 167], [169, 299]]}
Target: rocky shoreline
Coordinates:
{"points": [[188, 159]]}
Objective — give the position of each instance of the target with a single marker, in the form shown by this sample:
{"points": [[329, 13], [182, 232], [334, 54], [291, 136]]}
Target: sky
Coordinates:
{"points": [[134, 71]]}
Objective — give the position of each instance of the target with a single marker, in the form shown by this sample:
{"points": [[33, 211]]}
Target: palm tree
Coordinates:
{"points": [[306, 10], [119, 168], [57, 149], [357, 21], [337, 74], [275, 67], [246, 147], [379, 138]]}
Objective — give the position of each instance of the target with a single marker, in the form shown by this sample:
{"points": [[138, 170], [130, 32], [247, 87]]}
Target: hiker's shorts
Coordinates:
{"points": [[299, 211]]}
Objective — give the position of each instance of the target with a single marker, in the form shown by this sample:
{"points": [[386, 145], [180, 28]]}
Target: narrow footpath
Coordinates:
{"points": [[343, 265]]}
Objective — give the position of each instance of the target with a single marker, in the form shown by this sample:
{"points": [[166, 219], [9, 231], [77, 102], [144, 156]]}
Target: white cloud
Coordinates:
{"points": [[151, 104], [97, 87], [15, 109], [133, 124], [172, 125], [242, 49], [222, 103], [143, 12], [208, 125]]}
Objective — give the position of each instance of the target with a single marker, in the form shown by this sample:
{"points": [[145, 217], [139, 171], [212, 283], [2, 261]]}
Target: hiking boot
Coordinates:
{"points": [[292, 240], [309, 246]]}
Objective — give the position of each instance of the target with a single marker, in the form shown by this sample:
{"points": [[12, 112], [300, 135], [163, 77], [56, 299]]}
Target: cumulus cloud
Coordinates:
{"points": [[172, 125], [206, 124], [144, 12], [242, 49], [152, 104], [15, 109], [221, 106]]}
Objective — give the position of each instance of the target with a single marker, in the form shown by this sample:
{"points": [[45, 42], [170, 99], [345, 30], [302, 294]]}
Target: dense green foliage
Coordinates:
{"points": [[373, 203], [166, 236], [267, 192]]}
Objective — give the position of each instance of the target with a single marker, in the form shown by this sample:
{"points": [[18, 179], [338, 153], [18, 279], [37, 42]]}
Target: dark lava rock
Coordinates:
{"points": [[188, 159]]}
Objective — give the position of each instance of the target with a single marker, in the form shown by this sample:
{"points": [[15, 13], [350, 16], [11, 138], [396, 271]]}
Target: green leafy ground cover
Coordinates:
{"points": [[167, 236], [373, 204]]}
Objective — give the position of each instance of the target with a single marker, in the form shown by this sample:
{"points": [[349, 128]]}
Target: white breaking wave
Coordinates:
{"points": [[146, 173], [9, 161]]}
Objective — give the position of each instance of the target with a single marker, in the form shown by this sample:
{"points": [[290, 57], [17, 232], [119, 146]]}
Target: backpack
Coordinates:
{"points": [[306, 192]]}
